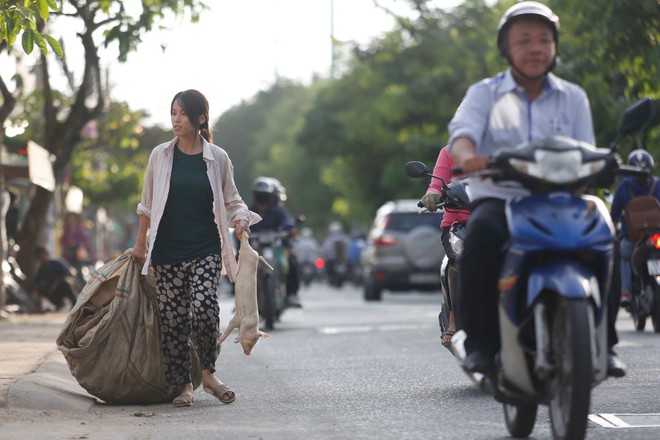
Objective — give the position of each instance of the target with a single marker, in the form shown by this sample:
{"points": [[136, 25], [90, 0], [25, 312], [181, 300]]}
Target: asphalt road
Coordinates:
{"points": [[339, 368]]}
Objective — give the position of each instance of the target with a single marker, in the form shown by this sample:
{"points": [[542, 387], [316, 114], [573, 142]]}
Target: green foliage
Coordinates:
{"points": [[61, 116], [396, 97], [260, 138], [612, 49], [125, 29], [394, 105], [340, 146], [109, 167], [27, 16]]}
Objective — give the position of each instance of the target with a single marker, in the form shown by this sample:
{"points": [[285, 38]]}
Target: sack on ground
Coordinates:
{"points": [[111, 338], [641, 214]]}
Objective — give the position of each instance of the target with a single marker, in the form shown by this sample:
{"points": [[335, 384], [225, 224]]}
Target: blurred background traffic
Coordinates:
{"points": [[338, 141]]}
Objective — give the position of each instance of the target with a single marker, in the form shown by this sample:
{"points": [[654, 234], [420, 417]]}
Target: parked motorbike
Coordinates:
{"points": [[18, 299], [271, 278], [553, 287], [455, 197], [645, 263]]}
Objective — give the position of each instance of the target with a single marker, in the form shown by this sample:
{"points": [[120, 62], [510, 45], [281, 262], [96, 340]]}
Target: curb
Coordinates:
{"points": [[50, 387]]}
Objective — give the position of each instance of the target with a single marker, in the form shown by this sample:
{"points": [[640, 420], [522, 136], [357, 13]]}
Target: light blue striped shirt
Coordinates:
{"points": [[497, 114]]}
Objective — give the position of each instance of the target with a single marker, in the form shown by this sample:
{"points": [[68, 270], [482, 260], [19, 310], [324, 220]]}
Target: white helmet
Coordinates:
{"points": [[335, 227], [526, 8]]}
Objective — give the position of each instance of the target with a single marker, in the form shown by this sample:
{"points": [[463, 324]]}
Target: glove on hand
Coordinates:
{"points": [[431, 201]]}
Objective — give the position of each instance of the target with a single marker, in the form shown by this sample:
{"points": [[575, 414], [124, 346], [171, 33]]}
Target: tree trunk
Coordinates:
{"points": [[32, 230]]}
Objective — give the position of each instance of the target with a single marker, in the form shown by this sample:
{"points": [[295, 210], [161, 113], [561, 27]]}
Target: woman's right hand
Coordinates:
{"points": [[139, 253]]}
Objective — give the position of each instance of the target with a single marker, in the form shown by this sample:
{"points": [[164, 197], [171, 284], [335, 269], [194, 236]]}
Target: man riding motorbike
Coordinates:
{"points": [[267, 193], [524, 103], [627, 189]]}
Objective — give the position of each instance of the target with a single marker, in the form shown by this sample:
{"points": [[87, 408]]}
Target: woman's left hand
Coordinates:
{"points": [[240, 227]]}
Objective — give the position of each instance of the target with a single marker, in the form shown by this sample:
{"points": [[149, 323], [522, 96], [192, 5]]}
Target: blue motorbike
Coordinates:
{"points": [[554, 279]]}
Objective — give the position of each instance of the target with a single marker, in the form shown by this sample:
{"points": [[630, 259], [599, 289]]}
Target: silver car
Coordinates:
{"points": [[403, 251]]}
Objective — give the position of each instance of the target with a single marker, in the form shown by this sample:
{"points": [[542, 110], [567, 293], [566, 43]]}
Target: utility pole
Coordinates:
{"points": [[4, 205], [332, 39]]}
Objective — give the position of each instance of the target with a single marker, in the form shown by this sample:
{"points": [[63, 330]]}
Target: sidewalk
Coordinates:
{"points": [[28, 352]]}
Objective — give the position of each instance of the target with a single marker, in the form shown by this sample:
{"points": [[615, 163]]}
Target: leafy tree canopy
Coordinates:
{"points": [[27, 16]]}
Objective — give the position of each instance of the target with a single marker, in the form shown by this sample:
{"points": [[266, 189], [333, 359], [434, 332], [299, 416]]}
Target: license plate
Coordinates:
{"points": [[653, 267], [425, 278]]}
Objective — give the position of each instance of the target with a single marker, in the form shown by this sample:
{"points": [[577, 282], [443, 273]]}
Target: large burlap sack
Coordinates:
{"points": [[111, 337]]}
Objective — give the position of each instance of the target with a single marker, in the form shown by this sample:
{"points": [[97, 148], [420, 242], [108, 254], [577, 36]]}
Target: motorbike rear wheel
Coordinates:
{"points": [[639, 319], [372, 291], [571, 385], [520, 418], [655, 310], [639, 311]]}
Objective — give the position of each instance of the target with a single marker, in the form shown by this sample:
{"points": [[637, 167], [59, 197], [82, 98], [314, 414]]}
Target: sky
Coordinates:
{"points": [[239, 47]]}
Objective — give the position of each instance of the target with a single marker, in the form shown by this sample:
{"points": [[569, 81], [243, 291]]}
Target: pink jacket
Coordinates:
{"points": [[226, 198], [443, 166]]}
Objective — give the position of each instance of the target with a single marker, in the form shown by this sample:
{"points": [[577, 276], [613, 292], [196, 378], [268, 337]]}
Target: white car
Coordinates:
{"points": [[403, 250]]}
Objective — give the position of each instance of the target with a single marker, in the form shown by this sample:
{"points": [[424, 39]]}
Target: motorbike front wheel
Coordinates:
{"points": [[266, 298], [520, 418], [571, 385]]}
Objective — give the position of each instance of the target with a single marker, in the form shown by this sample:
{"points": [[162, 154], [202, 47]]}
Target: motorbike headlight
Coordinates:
{"points": [[456, 244], [557, 166]]}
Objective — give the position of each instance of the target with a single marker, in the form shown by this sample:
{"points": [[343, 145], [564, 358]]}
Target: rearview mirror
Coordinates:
{"points": [[636, 116], [416, 169]]}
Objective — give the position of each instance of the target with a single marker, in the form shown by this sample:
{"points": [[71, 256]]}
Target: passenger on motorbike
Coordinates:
{"points": [[267, 193], [627, 189], [431, 199], [525, 103]]}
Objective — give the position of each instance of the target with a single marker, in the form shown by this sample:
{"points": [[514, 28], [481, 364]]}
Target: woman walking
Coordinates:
{"points": [[188, 194]]}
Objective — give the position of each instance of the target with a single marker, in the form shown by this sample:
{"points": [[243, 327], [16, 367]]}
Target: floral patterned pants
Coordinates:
{"points": [[188, 306]]}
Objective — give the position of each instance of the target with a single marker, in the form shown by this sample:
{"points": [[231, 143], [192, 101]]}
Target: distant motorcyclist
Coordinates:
{"points": [[627, 189], [307, 250], [443, 169], [268, 203], [335, 252], [354, 257]]}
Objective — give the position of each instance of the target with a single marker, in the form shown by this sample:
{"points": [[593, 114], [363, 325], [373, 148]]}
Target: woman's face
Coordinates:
{"points": [[181, 124], [531, 47]]}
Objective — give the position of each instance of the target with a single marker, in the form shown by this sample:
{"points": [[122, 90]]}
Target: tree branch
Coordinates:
{"points": [[8, 101]]}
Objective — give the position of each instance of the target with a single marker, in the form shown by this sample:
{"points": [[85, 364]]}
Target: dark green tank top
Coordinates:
{"points": [[187, 229]]}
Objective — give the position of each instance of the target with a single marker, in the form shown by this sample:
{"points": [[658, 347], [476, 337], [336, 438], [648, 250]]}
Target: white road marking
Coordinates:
{"points": [[370, 328], [616, 421]]}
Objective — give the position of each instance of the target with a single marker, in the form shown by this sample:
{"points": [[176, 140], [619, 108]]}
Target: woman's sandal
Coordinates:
{"points": [[183, 399], [446, 338], [221, 392]]}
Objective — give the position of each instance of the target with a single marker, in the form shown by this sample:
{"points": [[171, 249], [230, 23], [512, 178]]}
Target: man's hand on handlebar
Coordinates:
{"points": [[474, 163]]}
